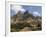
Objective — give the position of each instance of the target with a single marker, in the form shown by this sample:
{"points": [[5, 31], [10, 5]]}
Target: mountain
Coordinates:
{"points": [[25, 21]]}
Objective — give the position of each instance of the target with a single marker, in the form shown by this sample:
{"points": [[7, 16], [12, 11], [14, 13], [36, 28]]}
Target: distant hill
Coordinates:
{"points": [[25, 20]]}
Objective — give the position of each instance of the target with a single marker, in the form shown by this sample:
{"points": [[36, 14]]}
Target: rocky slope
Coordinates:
{"points": [[25, 22]]}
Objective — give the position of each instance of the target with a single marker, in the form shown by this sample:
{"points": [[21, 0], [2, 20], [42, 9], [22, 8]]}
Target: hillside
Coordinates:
{"points": [[25, 22]]}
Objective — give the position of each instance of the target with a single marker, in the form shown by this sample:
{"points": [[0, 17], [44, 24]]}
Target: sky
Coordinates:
{"points": [[35, 10]]}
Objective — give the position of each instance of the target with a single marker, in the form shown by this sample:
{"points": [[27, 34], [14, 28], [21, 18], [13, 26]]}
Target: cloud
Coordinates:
{"points": [[35, 13], [17, 8]]}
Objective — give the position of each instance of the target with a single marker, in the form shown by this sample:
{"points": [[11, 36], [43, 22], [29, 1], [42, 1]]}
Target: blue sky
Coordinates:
{"points": [[35, 10]]}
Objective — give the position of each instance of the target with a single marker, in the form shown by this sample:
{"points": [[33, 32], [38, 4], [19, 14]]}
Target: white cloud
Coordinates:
{"points": [[35, 13], [16, 8]]}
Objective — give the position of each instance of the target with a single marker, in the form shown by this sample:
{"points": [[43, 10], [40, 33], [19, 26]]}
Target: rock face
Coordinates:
{"points": [[25, 22]]}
